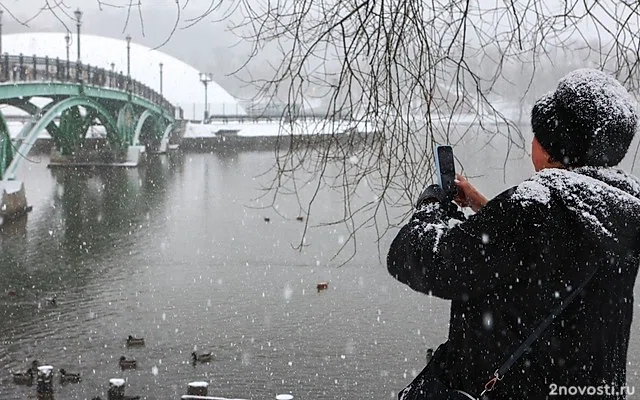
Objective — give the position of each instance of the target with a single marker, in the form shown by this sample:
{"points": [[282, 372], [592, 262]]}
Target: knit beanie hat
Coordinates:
{"points": [[589, 120]]}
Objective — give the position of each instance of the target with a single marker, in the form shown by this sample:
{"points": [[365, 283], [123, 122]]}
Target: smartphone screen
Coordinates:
{"points": [[446, 169]]}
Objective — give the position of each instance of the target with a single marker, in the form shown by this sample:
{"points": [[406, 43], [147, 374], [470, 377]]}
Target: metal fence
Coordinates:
{"points": [[246, 111]]}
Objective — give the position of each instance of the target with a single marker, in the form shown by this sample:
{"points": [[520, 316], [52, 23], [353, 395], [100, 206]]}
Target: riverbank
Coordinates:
{"points": [[229, 143], [244, 136]]}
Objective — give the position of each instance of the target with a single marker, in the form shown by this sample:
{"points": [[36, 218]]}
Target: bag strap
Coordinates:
{"points": [[499, 374]]}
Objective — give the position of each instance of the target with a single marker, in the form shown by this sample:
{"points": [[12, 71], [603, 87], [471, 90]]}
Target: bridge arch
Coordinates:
{"points": [[6, 147], [52, 111], [143, 118], [27, 106], [167, 131]]}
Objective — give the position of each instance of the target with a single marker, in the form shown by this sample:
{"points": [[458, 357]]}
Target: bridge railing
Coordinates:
{"points": [[22, 68]]}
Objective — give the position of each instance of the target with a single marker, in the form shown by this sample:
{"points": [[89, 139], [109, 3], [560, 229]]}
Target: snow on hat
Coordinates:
{"points": [[589, 120]]}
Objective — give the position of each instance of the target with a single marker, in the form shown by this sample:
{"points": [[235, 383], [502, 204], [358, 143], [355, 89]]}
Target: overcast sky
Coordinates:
{"points": [[208, 45]]}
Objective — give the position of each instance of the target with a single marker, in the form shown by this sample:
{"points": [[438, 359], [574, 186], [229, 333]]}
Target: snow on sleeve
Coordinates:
{"points": [[434, 230]]}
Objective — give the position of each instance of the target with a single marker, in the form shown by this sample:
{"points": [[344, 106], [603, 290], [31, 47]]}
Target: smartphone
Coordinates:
{"points": [[445, 168]]}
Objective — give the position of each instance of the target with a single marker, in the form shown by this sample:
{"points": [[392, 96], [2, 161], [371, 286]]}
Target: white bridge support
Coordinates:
{"points": [[135, 155], [164, 142]]}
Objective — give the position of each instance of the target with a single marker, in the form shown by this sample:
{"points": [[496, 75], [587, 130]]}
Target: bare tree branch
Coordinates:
{"points": [[411, 70]]}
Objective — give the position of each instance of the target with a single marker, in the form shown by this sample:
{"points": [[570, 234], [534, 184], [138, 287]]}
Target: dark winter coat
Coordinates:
{"points": [[509, 265]]}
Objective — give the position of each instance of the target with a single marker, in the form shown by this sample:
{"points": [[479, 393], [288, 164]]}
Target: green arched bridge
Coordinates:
{"points": [[79, 96]]}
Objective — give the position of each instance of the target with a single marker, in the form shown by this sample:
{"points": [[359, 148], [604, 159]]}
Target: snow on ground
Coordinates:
{"points": [[198, 384], [274, 128], [45, 369], [10, 187], [264, 128], [246, 129], [117, 382]]}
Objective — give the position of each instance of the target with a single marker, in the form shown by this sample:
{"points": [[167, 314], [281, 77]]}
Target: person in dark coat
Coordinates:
{"points": [[510, 264]]}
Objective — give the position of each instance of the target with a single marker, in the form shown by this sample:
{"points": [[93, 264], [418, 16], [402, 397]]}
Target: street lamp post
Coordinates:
{"points": [[128, 55], [78, 15], [113, 67], [1, 12], [67, 39], [205, 78], [160, 79]]}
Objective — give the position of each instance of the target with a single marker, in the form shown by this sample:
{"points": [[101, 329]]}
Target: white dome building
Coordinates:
{"points": [[181, 82]]}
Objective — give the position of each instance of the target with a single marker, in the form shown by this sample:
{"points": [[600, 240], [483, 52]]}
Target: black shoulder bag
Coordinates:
{"points": [[428, 386]]}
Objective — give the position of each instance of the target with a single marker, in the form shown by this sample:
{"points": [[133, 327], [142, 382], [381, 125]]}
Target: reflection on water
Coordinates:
{"points": [[179, 252], [14, 228]]}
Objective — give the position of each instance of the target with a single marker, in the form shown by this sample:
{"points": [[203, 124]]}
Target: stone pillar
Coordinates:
{"points": [[135, 155], [164, 146], [13, 200], [45, 379], [197, 388], [116, 389]]}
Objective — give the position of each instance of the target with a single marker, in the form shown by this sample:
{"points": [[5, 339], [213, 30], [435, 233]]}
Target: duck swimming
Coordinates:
{"points": [[66, 377], [205, 357], [127, 364], [133, 341], [26, 378], [23, 378]]}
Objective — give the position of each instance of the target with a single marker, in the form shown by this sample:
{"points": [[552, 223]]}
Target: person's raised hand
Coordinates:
{"points": [[468, 195]]}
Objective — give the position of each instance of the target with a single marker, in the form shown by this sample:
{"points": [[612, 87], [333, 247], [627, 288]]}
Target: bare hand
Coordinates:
{"points": [[468, 195]]}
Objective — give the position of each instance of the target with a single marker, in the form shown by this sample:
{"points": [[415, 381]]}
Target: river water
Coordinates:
{"points": [[179, 252]]}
